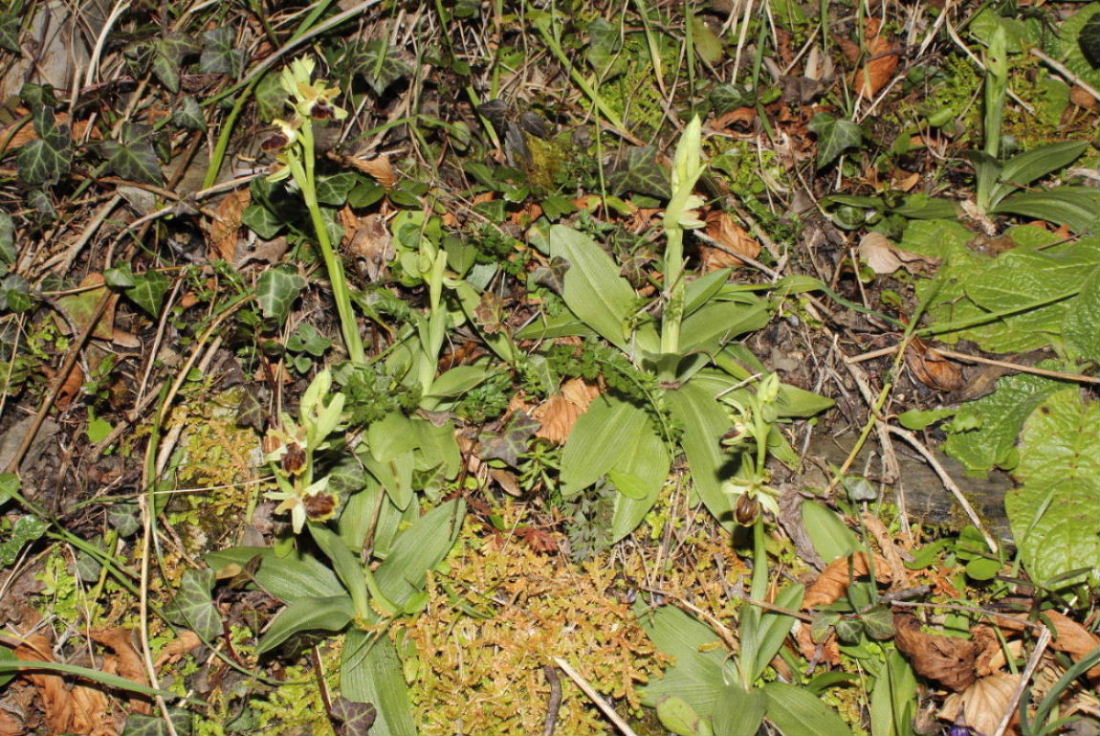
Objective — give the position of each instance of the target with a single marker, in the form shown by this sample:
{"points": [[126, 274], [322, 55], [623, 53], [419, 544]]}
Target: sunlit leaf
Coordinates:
{"points": [[276, 291], [834, 137], [193, 606]]}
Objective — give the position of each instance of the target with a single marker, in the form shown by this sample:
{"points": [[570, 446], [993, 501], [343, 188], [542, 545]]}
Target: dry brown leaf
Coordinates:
{"points": [[224, 231], [883, 58], [722, 229], [983, 704], [368, 238], [128, 662], [70, 389], [10, 725], [739, 120], [379, 168], [946, 659], [1073, 639], [27, 133], [1083, 98], [885, 257], [175, 650], [827, 651], [80, 710], [933, 369], [886, 542], [561, 411], [906, 181], [834, 579]]}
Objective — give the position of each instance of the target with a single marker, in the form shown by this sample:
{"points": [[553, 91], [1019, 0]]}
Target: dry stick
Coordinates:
{"points": [[59, 381], [966, 358], [553, 707], [1032, 665], [1065, 72], [947, 481], [602, 704]]}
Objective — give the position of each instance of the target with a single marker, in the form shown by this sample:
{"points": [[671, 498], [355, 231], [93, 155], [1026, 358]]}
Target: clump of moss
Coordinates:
{"points": [[528, 607]]}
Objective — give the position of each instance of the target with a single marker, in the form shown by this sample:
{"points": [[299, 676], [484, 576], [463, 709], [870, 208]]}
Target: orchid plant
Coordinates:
{"points": [[296, 155]]}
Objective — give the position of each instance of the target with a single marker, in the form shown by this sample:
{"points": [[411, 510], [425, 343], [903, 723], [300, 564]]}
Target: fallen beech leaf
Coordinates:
{"points": [[1073, 639], [983, 704], [379, 168], [71, 387], [723, 230], [561, 411], [738, 120], [369, 240], [835, 579], [81, 307], [883, 59], [932, 369], [884, 257], [128, 664], [1082, 98], [80, 710], [224, 231], [948, 660], [175, 650]]}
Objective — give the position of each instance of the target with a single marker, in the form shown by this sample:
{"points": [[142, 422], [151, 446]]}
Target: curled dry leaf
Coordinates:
{"points": [[175, 650], [81, 709], [368, 239], [561, 411], [224, 231], [946, 659], [379, 168], [883, 57], [933, 369], [126, 663], [884, 257], [1073, 639], [983, 704], [740, 119], [836, 577], [722, 229]]}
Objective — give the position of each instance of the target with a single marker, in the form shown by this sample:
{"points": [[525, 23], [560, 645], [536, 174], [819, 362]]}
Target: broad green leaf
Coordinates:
{"points": [[795, 402], [437, 448], [418, 549], [597, 441], [639, 474], [1075, 206], [148, 291], [1077, 43], [834, 137], [1024, 168], [739, 712], [391, 437], [168, 54], [699, 292], [291, 579], [194, 608], [345, 564], [220, 54], [773, 628], [894, 698], [8, 251], [1053, 515], [704, 421], [677, 716], [276, 290], [262, 221], [719, 322], [459, 380], [1081, 329], [188, 114], [697, 675], [371, 672], [726, 97], [831, 537], [604, 49], [594, 290], [796, 711], [9, 487], [983, 433], [307, 614], [565, 324], [26, 528]]}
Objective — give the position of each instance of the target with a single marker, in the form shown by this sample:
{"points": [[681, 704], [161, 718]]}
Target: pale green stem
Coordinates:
{"points": [[674, 289], [349, 328]]}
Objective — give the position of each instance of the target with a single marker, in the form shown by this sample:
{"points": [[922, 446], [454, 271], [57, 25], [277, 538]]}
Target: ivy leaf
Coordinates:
{"points": [[262, 221], [26, 529], [604, 52], [132, 155], [8, 251], [354, 718], [194, 608], [15, 294], [219, 53], [168, 56], [834, 137], [10, 24], [189, 114], [47, 159], [726, 97], [638, 171], [40, 201], [276, 290], [148, 291], [376, 63], [123, 518], [333, 190]]}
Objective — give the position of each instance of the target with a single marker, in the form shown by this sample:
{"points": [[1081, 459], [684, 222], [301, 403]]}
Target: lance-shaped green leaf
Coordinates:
{"points": [[594, 290], [307, 614], [403, 574], [795, 711], [371, 672]]}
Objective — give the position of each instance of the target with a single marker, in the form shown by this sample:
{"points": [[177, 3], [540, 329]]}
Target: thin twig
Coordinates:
{"points": [[590, 691], [1025, 677], [947, 481], [1065, 72], [967, 358], [554, 705]]}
